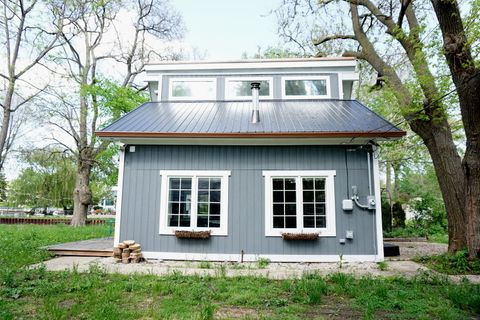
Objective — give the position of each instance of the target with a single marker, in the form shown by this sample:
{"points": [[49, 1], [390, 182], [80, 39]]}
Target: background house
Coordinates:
{"points": [[194, 160]]}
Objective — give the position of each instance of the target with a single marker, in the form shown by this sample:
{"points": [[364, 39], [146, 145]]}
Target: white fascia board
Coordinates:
{"points": [[250, 65], [118, 209], [350, 76]]}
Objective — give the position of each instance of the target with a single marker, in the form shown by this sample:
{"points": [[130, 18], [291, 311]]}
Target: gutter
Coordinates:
{"points": [[123, 134]]}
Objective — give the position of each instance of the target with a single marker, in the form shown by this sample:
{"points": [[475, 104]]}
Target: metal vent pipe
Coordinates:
{"points": [[255, 97]]}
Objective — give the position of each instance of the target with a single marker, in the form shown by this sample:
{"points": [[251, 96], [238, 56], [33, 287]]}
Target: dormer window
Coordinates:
{"points": [[192, 89], [305, 87], [239, 88]]}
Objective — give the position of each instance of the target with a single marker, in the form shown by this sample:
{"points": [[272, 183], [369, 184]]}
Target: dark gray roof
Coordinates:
{"points": [[232, 118]]}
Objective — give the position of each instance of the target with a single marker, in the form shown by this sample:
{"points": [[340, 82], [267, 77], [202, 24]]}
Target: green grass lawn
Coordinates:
{"points": [[38, 294]]}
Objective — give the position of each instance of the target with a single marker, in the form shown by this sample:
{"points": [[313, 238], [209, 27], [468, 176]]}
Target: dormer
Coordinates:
{"points": [[280, 79]]}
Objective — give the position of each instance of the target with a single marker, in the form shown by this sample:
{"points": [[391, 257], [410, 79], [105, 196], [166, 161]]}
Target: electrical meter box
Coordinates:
{"points": [[347, 204]]}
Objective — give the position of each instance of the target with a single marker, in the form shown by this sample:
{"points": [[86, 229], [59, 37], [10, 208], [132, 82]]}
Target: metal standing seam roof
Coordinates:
{"points": [[295, 118]]}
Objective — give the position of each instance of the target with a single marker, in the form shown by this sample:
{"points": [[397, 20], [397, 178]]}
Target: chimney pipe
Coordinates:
{"points": [[255, 96]]}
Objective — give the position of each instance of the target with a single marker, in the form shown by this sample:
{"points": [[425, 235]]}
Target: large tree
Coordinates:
{"points": [[91, 28], [47, 180], [378, 26], [25, 40]]}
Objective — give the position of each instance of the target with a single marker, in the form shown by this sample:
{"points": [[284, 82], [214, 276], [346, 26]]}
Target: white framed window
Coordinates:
{"points": [[194, 200], [192, 88], [300, 201], [305, 87], [240, 87]]}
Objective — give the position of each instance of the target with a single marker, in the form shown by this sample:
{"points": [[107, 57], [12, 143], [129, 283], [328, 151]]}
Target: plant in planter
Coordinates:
{"points": [[300, 236], [185, 234]]}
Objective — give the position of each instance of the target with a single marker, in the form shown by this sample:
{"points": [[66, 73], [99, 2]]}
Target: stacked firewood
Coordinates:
{"points": [[128, 251]]}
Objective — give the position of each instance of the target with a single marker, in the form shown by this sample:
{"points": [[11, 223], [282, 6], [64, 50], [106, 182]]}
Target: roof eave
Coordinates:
{"points": [[383, 134]]}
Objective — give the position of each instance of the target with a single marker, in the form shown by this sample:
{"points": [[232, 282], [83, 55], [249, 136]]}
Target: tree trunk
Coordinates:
{"points": [[448, 168], [4, 129], [82, 196], [466, 78], [471, 165]]}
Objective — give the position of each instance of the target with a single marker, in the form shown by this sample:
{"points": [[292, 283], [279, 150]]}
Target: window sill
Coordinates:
{"points": [[213, 232], [322, 233]]}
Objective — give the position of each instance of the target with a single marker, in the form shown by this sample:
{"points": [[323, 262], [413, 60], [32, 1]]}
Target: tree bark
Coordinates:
{"points": [[448, 169], [466, 78], [7, 113], [82, 196]]}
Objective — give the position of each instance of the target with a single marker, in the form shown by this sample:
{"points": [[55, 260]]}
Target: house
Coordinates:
{"points": [[212, 169]]}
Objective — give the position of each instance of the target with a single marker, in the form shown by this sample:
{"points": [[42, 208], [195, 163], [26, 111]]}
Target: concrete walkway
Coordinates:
{"points": [[408, 269], [395, 266]]}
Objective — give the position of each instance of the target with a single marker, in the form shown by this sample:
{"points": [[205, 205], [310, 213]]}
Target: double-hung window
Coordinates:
{"points": [[299, 201], [194, 200]]}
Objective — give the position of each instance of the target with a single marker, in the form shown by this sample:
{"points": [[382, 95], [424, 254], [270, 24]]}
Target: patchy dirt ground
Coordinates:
{"points": [[409, 250]]}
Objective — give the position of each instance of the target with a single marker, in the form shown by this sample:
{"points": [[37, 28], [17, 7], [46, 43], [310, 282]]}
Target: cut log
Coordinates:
{"points": [[125, 260], [117, 252], [127, 250], [135, 246], [129, 242], [137, 251], [122, 245], [125, 255]]}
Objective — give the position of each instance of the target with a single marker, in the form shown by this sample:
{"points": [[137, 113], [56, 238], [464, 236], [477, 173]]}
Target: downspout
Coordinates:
{"points": [[369, 173]]}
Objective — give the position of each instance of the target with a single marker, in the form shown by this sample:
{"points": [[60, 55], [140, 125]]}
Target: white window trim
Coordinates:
{"points": [[166, 174], [327, 82], [229, 95], [195, 79], [330, 230]]}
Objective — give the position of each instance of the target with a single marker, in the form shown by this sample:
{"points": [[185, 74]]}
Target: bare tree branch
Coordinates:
{"points": [[324, 39]]}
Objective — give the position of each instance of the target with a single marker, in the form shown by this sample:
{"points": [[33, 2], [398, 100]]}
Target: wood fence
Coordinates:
{"points": [[15, 220]]}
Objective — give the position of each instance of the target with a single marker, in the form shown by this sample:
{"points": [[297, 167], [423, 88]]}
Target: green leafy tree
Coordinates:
{"points": [[83, 106], [392, 38], [47, 181]]}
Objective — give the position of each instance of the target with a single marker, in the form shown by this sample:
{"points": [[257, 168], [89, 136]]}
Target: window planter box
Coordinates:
{"points": [[192, 234], [300, 236]]}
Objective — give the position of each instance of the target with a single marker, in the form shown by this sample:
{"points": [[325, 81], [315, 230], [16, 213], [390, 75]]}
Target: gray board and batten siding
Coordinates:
{"points": [[140, 211]]}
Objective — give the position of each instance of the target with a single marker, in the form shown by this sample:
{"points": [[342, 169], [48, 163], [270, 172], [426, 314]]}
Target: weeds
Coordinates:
{"points": [[382, 265], [205, 265], [262, 263], [457, 263], [221, 270]]}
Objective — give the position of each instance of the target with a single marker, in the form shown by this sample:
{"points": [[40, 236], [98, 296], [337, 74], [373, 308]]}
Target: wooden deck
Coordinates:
{"points": [[102, 247]]}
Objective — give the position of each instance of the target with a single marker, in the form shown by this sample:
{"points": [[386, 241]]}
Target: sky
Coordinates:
{"points": [[225, 29], [219, 30]]}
